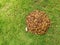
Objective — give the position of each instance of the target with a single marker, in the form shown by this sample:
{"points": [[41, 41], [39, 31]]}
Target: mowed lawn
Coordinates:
{"points": [[13, 22]]}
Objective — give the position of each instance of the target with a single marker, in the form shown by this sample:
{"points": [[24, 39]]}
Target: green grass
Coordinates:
{"points": [[12, 22]]}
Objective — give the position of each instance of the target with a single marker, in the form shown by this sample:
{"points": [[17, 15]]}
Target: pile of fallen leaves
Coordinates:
{"points": [[37, 22]]}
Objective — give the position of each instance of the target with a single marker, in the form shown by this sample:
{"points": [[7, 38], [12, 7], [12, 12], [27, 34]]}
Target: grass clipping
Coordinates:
{"points": [[37, 22]]}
